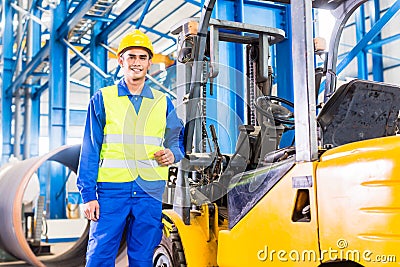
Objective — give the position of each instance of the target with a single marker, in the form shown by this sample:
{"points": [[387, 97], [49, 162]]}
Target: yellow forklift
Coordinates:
{"points": [[332, 199]]}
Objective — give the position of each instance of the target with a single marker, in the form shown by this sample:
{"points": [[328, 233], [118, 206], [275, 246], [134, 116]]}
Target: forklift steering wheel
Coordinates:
{"points": [[275, 111]]}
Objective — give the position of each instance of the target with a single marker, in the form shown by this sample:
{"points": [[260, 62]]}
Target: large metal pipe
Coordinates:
{"points": [[14, 178]]}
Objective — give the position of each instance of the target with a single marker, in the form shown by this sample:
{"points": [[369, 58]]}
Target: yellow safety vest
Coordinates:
{"points": [[131, 139]]}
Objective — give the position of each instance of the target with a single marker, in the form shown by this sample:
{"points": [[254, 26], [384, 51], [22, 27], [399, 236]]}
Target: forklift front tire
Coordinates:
{"points": [[169, 253]]}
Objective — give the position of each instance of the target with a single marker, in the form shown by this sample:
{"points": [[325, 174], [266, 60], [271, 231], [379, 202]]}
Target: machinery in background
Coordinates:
{"points": [[330, 199]]}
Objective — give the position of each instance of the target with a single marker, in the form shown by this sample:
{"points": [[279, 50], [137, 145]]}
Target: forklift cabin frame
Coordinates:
{"points": [[305, 113]]}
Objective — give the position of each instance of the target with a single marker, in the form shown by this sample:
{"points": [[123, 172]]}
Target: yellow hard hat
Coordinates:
{"points": [[136, 39]]}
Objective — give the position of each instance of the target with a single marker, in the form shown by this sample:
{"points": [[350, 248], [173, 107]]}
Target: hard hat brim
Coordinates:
{"points": [[130, 47]]}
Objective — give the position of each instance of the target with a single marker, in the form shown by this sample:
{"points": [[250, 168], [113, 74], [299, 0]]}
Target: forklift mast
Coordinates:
{"points": [[205, 39]]}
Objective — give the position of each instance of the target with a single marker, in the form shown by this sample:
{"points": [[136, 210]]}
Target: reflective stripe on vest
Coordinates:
{"points": [[120, 163], [130, 139]]}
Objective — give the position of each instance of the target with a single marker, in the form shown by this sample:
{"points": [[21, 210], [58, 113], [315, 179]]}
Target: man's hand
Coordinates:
{"points": [[92, 210], [164, 157]]}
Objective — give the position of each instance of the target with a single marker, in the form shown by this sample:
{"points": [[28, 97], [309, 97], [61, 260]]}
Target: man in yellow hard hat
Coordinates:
{"points": [[132, 135]]}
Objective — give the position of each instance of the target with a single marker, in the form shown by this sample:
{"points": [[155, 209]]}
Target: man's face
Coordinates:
{"points": [[135, 63]]}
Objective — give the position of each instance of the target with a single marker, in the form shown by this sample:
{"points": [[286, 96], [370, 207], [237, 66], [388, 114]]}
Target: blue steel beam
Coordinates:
{"points": [[382, 42], [37, 91], [58, 89], [35, 116], [22, 38], [80, 83], [196, 3], [123, 18], [166, 35], [369, 36], [360, 32], [284, 68], [76, 59], [377, 61], [144, 13], [173, 11], [34, 15], [370, 52], [78, 13], [392, 66], [1, 16], [39, 74], [28, 14], [77, 117], [99, 57], [238, 100], [39, 58], [99, 19], [7, 75], [168, 48], [386, 56], [115, 76], [230, 54], [87, 61], [150, 29], [351, 24], [275, 6]]}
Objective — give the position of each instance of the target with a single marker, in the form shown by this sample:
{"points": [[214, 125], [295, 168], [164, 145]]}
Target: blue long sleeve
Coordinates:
{"points": [[91, 147], [93, 139]]}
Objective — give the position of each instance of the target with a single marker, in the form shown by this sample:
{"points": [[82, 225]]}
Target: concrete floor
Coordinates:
{"points": [[59, 248], [56, 249]]}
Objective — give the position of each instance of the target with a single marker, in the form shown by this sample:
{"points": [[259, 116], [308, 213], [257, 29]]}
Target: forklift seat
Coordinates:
{"points": [[360, 110]]}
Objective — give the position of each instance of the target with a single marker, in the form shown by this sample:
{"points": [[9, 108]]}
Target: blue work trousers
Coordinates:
{"points": [[124, 205]]}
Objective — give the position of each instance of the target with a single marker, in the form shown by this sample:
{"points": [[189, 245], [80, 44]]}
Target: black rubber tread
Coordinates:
{"points": [[341, 264], [172, 248], [177, 249]]}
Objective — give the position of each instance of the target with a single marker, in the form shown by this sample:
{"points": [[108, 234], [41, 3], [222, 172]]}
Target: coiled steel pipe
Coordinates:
{"points": [[14, 178]]}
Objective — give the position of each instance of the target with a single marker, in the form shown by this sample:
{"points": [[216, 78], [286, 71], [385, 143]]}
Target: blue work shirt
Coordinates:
{"points": [[93, 140]]}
